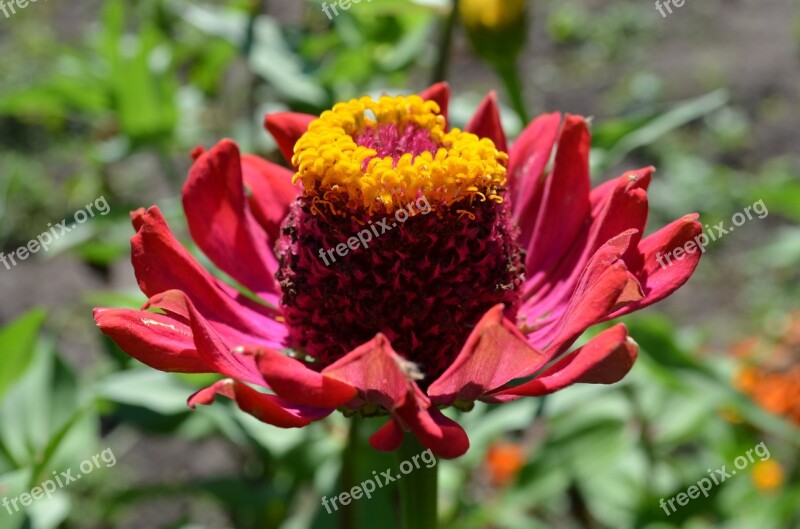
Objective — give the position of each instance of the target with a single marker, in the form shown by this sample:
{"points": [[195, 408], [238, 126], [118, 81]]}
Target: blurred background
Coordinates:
{"points": [[102, 102]]}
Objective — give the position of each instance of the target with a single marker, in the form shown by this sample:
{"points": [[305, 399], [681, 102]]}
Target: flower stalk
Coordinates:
{"points": [[418, 490]]}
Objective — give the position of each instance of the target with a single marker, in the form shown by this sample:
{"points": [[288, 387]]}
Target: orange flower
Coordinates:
{"points": [[767, 475], [503, 462], [772, 379]]}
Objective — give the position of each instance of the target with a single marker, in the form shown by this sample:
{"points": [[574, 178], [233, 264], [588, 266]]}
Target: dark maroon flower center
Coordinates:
{"points": [[424, 283]]}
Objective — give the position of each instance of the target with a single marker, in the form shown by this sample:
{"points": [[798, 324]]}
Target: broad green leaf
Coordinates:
{"points": [[17, 341]]}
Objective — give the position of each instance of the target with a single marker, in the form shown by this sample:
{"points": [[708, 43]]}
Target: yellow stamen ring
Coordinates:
{"points": [[332, 165]]}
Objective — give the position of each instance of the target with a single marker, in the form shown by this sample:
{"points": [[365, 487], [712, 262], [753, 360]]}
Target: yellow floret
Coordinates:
{"points": [[330, 164]]}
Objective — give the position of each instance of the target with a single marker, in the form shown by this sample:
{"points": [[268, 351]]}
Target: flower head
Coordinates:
{"points": [[482, 267]]}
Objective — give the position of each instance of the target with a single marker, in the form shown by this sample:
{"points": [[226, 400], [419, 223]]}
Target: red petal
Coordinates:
{"points": [[445, 437], [439, 92], [604, 283], [617, 206], [381, 375], [494, 354], [155, 340], [527, 160], [486, 122], [266, 408], [660, 281], [286, 128], [292, 380], [162, 264], [564, 210], [388, 437], [271, 193], [606, 359], [217, 352], [221, 223]]}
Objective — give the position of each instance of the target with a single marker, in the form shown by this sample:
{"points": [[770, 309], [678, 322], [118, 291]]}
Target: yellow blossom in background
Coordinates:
{"points": [[497, 29], [491, 14]]}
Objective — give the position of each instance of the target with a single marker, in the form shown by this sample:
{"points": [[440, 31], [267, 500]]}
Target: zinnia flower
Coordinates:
{"points": [[481, 299]]}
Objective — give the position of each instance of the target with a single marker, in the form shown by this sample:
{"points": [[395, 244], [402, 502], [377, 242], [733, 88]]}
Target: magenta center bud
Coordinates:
{"points": [[389, 140]]}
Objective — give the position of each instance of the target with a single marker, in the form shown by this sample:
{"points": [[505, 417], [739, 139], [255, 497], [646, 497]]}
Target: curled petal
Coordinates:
{"points": [[445, 437], [266, 408], [388, 437], [605, 284], [294, 381], [217, 352], [221, 223], [162, 264], [606, 359], [158, 341], [660, 277]]}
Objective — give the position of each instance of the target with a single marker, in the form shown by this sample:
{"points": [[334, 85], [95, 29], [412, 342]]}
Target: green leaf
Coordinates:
{"points": [[160, 392], [17, 341], [649, 131]]}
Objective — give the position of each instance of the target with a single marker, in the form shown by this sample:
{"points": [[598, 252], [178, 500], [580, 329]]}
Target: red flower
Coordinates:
{"points": [[493, 289]]}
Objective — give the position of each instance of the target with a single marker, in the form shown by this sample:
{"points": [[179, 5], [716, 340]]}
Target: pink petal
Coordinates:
{"points": [[445, 437], [266, 408], [564, 208], [604, 286], [294, 381], [494, 354], [221, 222], [155, 340], [486, 122], [527, 160], [617, 206], [381, 375], [606, 359], [660, 281], [271, 193], [286, 128], [388, 437], [162, 264], [217, 352], [439, 92]]}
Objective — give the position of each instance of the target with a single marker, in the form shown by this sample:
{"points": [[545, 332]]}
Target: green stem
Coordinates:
{"points": [[418, 489], [509, 74], [445, 43], [349, 463]]}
